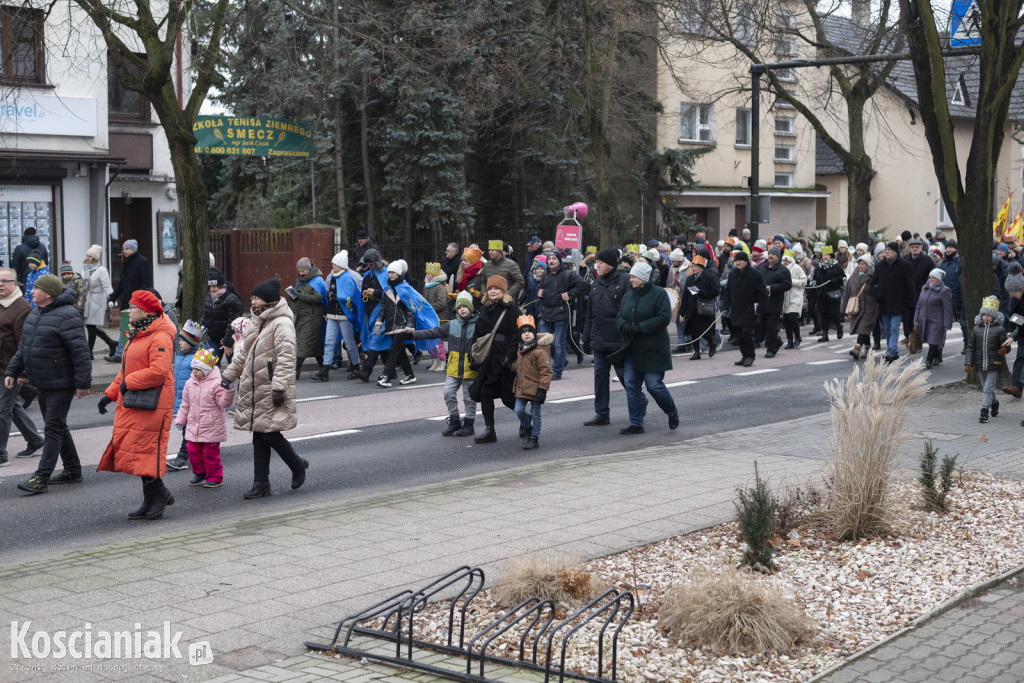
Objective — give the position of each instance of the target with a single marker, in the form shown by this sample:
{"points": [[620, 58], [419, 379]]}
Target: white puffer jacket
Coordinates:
{"points": [[795, 296], [266, 365]]}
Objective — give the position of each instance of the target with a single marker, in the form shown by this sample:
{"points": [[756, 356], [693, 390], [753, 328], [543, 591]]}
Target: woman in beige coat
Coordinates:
{"points": [[265, 372]]}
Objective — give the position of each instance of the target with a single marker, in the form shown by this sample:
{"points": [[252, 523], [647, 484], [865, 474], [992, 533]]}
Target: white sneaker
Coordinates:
{"points": [[383, 381], [408, 379]]}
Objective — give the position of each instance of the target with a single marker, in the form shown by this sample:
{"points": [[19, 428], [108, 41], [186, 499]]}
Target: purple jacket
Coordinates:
{"points": [[934, 313]]}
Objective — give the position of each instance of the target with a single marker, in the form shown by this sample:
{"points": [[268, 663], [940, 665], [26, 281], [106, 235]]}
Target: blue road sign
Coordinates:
{"points": [[965, 24]]}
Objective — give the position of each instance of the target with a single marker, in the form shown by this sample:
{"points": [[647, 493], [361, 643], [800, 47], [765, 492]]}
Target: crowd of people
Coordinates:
{"points": [[500, 330]]}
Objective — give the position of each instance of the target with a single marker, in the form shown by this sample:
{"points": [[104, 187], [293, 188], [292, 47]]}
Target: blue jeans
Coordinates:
{"points": [[602, 375], [529, 420], [655, 383], [891, 330], [332, 329], [557, 329]]}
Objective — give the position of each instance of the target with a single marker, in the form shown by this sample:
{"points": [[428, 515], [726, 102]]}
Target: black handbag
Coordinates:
{"points": [[705, 307], [139, 399]]}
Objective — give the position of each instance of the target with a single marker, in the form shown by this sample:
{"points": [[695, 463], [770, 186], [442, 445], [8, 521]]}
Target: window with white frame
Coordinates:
{"points": [[785, 153], [743, 131], [693, 16], [785, 125], [944, 221], [785, 179], [786, 75], [785, 20], [696, 122], [785, 47], [745, 23]]}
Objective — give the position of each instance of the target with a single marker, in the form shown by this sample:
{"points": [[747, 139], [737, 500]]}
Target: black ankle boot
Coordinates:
{"points": [[994, 410], [984, 415], [323, 375], [161, 499], [259, 489], [466, 429], [696, 354], [299, 478], [453, 425], [489, 436], [147, 500], [711, 350]]}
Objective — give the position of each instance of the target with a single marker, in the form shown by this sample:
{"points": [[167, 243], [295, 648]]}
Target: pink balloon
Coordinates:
{"points": [[579, 208]]}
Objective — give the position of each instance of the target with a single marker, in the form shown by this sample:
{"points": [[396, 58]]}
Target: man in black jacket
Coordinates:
{"points": [[745, 294], [920, 265], [600, 335], [893, 287], [54, 353], [777, 281], [136, 274], [19, 259], [363, 244]]}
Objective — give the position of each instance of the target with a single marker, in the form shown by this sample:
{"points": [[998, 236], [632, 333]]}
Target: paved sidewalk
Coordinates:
{"points": [[256, 590]]}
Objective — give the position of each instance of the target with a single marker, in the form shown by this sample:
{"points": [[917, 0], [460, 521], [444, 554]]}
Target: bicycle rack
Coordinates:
{"points": [[612, 608]]}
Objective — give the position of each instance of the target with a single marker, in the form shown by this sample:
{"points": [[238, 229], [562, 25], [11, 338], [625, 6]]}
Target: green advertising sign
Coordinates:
{"points": [[253, 137]]}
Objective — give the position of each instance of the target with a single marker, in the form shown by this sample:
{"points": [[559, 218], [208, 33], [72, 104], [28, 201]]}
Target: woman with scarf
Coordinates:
{"points": [[862, 323], [138, 444], [495, 378], [472, 264], [933, 316], [264, 367], [97, 289]]}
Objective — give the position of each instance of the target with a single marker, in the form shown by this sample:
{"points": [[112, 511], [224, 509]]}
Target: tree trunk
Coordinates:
{"points": [[858, 193], [364, 133]]}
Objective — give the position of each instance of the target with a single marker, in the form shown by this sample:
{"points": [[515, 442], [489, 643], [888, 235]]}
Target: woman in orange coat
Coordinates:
{"points": [[139, 442]]}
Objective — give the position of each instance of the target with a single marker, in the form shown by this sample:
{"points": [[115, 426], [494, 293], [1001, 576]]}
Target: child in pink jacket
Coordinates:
{"points": [[201, 414]]}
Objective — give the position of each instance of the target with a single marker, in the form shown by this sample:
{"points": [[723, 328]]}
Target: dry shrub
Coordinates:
{"points": [[732, 611], [869, 411], [560, 579]]}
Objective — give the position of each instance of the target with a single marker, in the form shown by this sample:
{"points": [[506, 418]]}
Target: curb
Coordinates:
{"points": [[955, 601]]}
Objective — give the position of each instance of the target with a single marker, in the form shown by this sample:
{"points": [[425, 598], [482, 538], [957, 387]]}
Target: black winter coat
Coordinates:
{"points": [[920, 267], [779, 279], [708, 287], [219, 315], [495, 376], [602, 309], [552, 308], [360, 250], [136, 274], [743, 289], [53, 351], [19, 259], [394, 314], [893, 287]]}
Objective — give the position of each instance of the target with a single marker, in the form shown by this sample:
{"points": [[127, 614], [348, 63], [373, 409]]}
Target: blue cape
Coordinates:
{"points": [[318, 284], [424, 313], [349, 295]]}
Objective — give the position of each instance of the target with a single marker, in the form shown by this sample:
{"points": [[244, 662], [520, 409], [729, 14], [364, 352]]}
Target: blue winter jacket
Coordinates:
{"points": [[183, 370]]}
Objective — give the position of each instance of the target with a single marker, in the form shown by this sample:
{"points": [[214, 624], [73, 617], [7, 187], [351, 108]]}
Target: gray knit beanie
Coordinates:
{"points": [[1014, 278]]}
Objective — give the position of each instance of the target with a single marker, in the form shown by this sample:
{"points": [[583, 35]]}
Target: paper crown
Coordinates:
{"points": [[699, 260], [989, 302], [496, 245], [789, 253], [472, 254], [204, 359], [433, 269], [633, 249], [1010, 237], [526, 321], [591, 250], [827, 249], [192, 332], [731, 241]]}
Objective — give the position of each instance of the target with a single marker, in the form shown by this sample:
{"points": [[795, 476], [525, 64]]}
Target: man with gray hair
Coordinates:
{"points": [[13, 311]]}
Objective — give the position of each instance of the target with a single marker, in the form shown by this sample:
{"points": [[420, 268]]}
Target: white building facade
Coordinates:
{"points": [[82, 160]]}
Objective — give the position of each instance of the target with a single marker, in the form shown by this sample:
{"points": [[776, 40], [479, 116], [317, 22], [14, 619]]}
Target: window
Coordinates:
{"points": [[745, 24], [693, 16], [785, 180], [786, 75], [696, 122], [784, 47], [943, 221], [785, 153], [21, 44], [743, 132], [785, 125], [785, 21], [124, 104]]}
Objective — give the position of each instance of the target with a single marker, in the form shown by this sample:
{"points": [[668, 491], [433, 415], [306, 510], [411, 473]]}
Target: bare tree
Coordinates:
{"points": [[968, 195]]}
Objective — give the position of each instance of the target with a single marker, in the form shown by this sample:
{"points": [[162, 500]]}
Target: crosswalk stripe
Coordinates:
{"points": [[754, 372], [326, 435], [827, 362], [681, 384]]}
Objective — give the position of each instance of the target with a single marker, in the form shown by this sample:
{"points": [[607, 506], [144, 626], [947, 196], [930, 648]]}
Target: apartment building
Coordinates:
{"points": [[82, 160]]}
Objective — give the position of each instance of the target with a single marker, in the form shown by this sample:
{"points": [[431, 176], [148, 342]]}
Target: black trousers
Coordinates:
{"points": [[397, 356], [791, 323], [57, 441], [772, 342], [93, 331], [262, 442], [746, 337], [828, 309]]}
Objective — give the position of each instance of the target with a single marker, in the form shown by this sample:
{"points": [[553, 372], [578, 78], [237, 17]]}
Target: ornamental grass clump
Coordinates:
{"points": [[560, 579], [733, 611], [869, 411]]}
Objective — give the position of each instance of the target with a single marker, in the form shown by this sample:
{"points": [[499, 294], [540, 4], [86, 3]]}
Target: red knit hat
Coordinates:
{"points": [[147, 301]]}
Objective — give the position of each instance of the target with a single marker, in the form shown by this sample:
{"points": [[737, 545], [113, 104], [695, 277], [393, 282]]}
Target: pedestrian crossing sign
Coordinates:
{"points": [[965, 24]]}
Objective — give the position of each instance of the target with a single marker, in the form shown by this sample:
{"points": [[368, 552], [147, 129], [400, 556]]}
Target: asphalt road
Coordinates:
{"points": [[397, 453]]}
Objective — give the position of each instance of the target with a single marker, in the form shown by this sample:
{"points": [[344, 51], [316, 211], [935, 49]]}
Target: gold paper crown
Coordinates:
{"points": [[990, 302], [591, 250], [633, 249], [433, 269], [827, 249], [790, 253], [699, 260], [496, 245], [206, 357], [526, 320]]}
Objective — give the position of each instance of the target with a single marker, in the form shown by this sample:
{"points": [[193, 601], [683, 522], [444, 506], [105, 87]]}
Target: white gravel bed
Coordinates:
{"points": [[857, 593]]}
